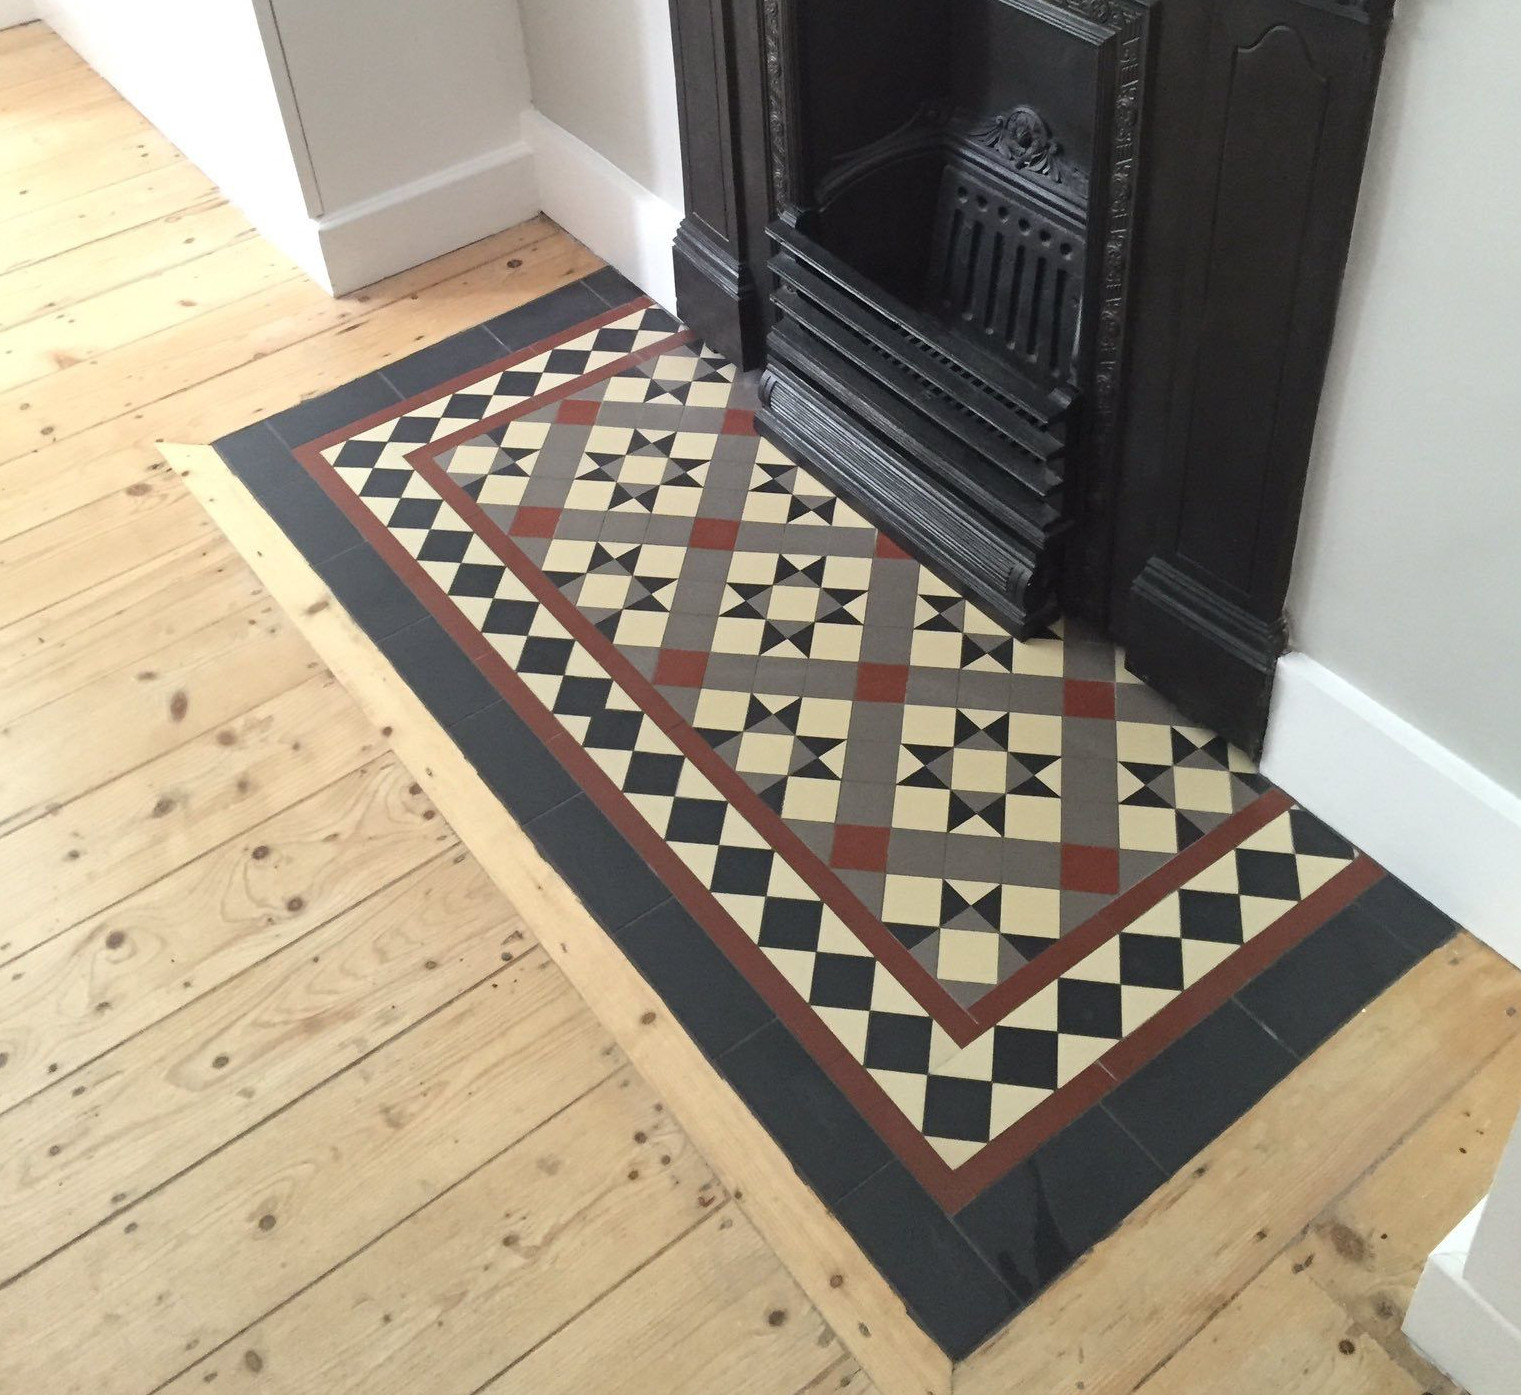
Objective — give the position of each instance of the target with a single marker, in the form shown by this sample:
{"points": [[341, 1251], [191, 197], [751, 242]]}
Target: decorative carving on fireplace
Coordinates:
{"points": [[1022, 137]]}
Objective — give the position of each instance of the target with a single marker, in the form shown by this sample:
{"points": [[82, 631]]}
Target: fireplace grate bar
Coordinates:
{"points": [[966, 396]]}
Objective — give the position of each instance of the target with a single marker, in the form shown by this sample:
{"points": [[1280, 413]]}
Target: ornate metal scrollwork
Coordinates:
{"points": [[1022, 136]]}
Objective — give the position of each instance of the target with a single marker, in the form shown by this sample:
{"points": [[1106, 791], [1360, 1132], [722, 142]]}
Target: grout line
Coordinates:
{"points": [[258, 1124], [395, 1225]]}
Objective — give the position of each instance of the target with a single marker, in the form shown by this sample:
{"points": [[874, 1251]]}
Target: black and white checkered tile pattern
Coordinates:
{"points": [[958, 1097]]}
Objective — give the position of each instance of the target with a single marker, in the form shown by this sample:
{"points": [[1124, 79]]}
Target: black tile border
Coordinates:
{"points": [[963, 1275]]}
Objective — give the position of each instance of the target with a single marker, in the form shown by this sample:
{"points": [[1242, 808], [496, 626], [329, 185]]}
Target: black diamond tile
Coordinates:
{"points": [[438, 671], [843, 980], [1326, 980], [352, 402], [697, 821], [1274, 874], [895, 1041], [957, 1108], [650, 772], [936, 1270], [438, 363], [1023, 1056], [479, 579], [1313, 836], [444, 545], [1407, 915], [791, 924], [742, 871], [1210, 915], [370, 591], [694, 978], [831, 1146], [1088, 1009], [1151, 961], [613, 881], [1061, 1201], [290, 496], [516, 766], [1200, 1085]]}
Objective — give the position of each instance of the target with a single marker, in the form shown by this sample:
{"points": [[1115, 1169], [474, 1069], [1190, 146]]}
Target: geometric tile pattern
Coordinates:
{"points": [[898, 805]]}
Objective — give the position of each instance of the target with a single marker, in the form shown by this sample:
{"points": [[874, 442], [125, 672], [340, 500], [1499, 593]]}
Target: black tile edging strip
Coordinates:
{"points": [[490, 730]]}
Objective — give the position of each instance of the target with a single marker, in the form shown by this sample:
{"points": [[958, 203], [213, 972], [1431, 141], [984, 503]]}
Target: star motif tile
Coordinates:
{"points": [[895, 808]]}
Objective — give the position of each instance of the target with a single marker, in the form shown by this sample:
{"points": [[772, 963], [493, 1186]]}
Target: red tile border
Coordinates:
{"points": [[952, 1188]]}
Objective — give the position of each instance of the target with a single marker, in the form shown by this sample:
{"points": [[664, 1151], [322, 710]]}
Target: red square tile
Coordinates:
{"points": [[886, 547], [860, 847], [1083, 697], [534, 522], [578, 412], [681, 668], [738, 422], [716, 533], [1090, 869], [882, 683]]}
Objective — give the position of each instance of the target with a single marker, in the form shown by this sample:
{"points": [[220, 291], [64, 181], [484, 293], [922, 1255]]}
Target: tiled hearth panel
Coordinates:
{"points": [[981, 881]]}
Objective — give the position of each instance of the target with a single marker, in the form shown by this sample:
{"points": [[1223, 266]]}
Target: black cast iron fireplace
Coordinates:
{"points": [[1047, 286], [937, 342]]}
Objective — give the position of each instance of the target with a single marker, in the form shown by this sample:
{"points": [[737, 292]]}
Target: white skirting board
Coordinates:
{"points": [[1428, 816], [425, 219], [592, 199], [1453, 1326]]}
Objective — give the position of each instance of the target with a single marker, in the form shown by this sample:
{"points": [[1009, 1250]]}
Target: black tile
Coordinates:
{"points": [[370, 591], [287, 493], [611, 286], [938, 1273], [427, 368], [516, 766], [831, 1146], [694, 978], [308, 420], [1034, 1222], [613, 881], [1407, 915], [1200, 1085], [549, 314], [1326, 980], [438, 671]]}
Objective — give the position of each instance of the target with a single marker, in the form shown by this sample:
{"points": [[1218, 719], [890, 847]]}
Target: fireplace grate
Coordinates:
{"points": [[1003, 271]]}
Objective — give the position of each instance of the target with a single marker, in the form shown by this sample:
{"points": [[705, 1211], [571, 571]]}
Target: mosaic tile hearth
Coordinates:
{"points": [[983, 881]]}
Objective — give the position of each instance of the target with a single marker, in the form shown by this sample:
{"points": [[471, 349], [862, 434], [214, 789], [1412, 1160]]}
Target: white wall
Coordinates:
{"points": [[605, 133], [16, 12], [603, 70], [361, 136], [1406, 596]]}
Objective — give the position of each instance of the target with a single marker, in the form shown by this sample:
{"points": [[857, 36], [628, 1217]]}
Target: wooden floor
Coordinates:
{"points": [[291, 1100]]}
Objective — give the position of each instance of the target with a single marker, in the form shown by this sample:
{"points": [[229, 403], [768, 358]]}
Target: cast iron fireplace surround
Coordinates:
{"points": [[1045, 285]]}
